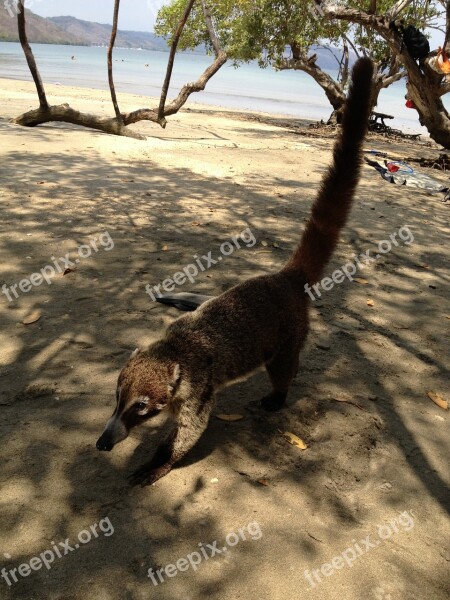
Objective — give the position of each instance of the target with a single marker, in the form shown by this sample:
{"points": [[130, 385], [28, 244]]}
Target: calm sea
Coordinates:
{"points": [[248, 87]]}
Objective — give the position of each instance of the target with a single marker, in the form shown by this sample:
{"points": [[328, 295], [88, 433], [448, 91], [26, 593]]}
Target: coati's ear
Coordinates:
{"points": [[135, 352], [175, 378]]}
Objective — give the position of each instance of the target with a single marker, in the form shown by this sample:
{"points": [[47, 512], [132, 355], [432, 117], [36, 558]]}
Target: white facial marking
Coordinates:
{"points": [[145, 400]]}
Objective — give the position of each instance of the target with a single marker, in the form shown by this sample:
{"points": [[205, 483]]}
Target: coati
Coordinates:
{"points": [[263, 321]]}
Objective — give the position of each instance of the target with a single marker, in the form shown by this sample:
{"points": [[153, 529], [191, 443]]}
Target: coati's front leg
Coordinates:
{"points": [[192, 420], [281, 369]]}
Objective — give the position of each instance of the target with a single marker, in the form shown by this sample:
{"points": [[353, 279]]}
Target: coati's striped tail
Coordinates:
{"points": [[334, 200]]}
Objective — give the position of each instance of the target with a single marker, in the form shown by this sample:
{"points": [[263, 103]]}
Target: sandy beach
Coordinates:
{"points": [[376, 464]]}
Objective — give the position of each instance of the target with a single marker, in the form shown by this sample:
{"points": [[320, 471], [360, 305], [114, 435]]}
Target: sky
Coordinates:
{"points": [[137, 15]]}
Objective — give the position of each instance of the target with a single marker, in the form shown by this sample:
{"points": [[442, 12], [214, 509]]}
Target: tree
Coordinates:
{"points": [[425, 86], [286, 33], [118, 125]]}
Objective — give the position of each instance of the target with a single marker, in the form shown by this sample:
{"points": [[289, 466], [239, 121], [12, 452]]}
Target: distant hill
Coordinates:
{"points": [[98, 34], [69, 30], [39, 30]]}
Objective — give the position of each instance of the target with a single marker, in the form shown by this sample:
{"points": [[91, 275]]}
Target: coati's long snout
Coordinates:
{"points": [[262, 321], [115, 432]]}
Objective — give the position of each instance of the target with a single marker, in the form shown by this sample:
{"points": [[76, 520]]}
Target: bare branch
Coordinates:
{"points": [[388, 80], [398, 8], [328, 49], [301, 62], [197, 86], [149, 114], [209, 24], [21, 24], [110, 51], [173, 50], [64, 113], [445, 86], [344, 64], [351, 44]]}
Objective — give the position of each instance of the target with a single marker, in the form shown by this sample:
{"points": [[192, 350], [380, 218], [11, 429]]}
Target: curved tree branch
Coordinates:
{"points": [[110, 70], [398, 8], [66, 114], [21, 24], [150, 114], [212, 32], [301, 62], [173, 50]]}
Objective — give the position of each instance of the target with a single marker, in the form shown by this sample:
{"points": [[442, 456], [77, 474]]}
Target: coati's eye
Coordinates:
{"points": [[140, 405]]}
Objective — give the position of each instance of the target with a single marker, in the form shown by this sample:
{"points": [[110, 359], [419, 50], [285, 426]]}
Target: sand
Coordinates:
{"points": [[365, 506]]}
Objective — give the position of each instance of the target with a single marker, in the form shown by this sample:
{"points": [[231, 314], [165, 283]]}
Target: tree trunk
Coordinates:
{"points": [[425, 90], [334, 91], [21, 25], [109, 58], [173, 51]]}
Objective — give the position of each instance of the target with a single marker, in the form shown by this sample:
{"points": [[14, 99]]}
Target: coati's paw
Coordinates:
{"points": [[146, 475], [273, 401]]}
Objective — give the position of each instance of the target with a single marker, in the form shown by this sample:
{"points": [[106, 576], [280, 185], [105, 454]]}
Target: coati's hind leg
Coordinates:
{"points": [[191, 423], [281, 369]]}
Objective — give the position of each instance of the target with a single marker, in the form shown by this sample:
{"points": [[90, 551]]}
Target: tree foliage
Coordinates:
{"points": [[283, 34]]}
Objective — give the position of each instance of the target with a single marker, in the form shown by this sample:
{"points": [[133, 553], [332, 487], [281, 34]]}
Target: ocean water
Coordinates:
{"points": [[248, 87]]}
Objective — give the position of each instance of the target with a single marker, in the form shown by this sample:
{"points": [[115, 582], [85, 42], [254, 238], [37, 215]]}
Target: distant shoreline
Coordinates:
{"points": [[248, 89], [86, 45]]}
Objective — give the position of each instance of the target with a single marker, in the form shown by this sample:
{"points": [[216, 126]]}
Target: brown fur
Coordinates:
{"points": [[263, 321]]}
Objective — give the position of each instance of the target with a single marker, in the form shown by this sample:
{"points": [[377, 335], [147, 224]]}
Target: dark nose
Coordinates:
{"points": [[104, 443]]}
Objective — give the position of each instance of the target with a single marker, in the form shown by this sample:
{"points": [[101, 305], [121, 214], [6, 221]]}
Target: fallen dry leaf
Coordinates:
{"points": [[263, 481], [165, 248], [437, 399], [235, 417], [369, 302], [275, 245], [294, 440], [360, 280], [32, 317], [264, 243]]}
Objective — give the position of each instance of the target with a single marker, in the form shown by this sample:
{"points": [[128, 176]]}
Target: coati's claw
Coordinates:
{"points": [[274, 401]]}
